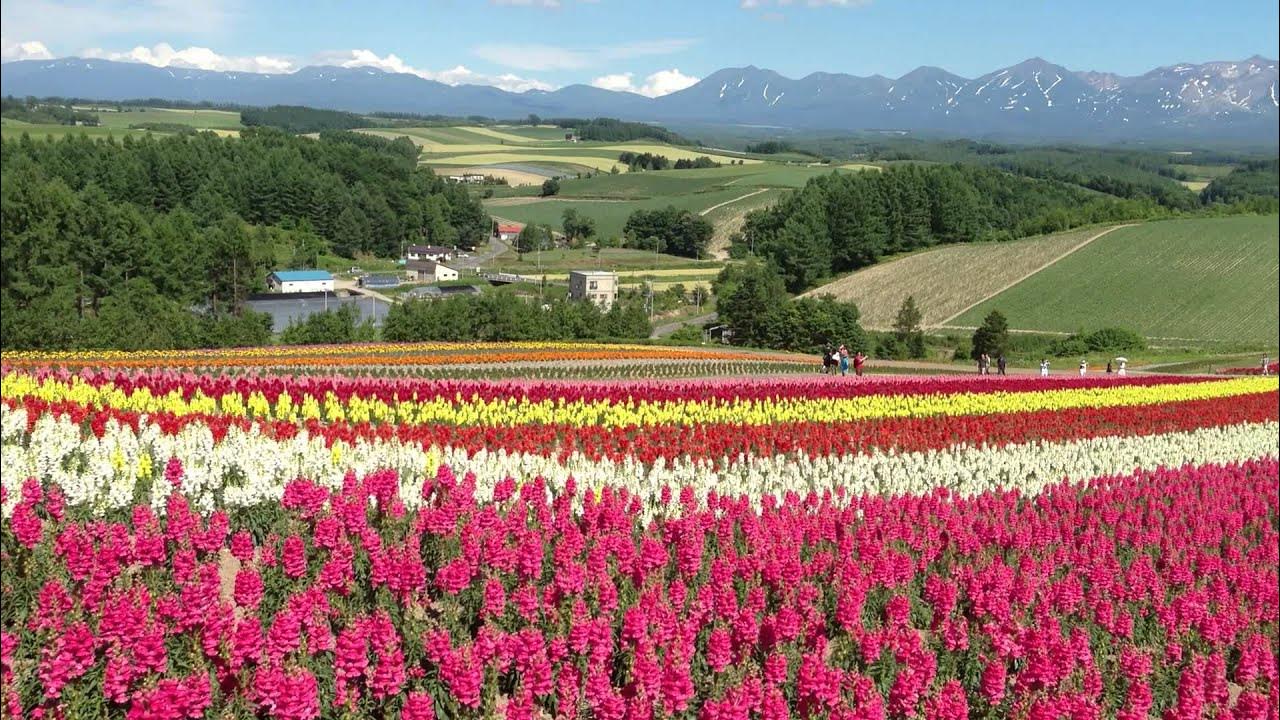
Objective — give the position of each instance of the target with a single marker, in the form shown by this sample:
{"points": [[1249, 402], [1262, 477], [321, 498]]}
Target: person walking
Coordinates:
{"points": [[1120, 370], [984, 364], [1084, 367], [1109, 367], [844, 360], [1001, 364], [827, 352], [1044, 367], [1266, 365], [858, 361]]}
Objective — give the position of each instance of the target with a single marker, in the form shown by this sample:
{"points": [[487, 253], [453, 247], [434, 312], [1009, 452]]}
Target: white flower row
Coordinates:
{"points": [[247, 468]]}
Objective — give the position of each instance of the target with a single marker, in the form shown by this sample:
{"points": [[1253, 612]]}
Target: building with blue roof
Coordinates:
{"points": [[299, 281]]}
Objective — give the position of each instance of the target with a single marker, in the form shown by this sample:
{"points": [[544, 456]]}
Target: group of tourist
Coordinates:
{"points": [[984, 364], [838, 360]]}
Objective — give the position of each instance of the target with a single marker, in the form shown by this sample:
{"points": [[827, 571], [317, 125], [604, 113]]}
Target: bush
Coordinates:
{"points": [[1109, 339], [550, 186]]}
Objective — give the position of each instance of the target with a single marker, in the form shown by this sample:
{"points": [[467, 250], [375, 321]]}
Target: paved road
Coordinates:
{"points": [[668, 328], [495, 248]]}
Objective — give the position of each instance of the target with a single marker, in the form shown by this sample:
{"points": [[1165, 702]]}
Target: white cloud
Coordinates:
{"points": [[29, 50], [164, 55], [552, 57], [458, 75], [658, 84]]}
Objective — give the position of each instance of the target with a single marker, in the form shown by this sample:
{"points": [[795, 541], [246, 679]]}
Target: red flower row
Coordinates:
{"points": [[648, 443], [389, 390]]}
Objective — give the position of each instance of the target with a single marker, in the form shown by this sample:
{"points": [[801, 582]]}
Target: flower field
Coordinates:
{"points": [[241, 543]]}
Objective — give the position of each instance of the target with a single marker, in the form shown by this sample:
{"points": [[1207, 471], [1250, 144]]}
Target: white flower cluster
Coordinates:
{"points": [[248, 468]]}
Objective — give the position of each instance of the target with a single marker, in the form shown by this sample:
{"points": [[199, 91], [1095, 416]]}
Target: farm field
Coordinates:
{"points": [[610, 215], [198, 119], [947, 280], [368, 529], [10, 130], [1204, 279]]}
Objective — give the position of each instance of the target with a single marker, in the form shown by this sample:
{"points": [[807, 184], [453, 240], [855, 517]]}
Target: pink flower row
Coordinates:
{"points": [[1130, 597]]}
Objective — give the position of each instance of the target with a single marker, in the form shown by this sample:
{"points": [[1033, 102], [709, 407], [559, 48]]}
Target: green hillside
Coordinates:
{"points": [[1211, 279]]}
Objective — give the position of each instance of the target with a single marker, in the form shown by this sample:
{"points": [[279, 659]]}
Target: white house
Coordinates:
{"points": [[430, 271], [434, 253], [597, 286], [300, 281]]}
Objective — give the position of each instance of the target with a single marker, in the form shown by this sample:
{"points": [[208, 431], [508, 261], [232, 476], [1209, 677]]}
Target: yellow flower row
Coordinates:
{"points": [[516, 411]]}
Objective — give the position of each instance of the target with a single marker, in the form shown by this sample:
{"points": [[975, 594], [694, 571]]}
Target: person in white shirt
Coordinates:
{"points": [[1044, 368], [1121, 369], [1084, 367]]}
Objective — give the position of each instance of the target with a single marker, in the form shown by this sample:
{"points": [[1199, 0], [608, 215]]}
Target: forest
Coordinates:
{"points": [[101, 237], [1253, 181], [669, 230]]}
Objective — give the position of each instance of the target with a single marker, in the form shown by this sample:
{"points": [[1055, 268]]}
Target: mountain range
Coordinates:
{"points": [[1033, 99]]}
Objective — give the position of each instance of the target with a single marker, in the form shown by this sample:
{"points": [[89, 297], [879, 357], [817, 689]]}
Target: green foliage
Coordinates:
{"points": [[334, 326], [505, 316], [1103, 340], [644, 161], [298, 119], [771, 147], [992, 337], [610, 130], [907, 331], [577, 227], [670, 230], [701, 162], [752, 299], [1254, 181], [550, 187], [44, 113], [201, 219]]}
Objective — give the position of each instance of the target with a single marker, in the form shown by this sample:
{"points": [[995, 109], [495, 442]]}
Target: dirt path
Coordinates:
{"points": [[729, 202], [668, 328], [970, 306]]}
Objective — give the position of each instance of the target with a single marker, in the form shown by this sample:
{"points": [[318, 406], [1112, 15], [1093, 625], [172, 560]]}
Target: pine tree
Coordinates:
{"points": [[906, 327], [993, 337]]}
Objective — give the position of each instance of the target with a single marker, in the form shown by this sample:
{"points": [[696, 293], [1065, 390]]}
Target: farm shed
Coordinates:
{"points": [[300, 281]]}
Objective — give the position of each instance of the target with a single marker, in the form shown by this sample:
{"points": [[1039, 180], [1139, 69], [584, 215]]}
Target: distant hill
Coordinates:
{"points": [[1033, 99]]}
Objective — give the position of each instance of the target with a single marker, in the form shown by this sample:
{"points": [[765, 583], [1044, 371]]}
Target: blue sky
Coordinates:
{"points": [[652, 47]]}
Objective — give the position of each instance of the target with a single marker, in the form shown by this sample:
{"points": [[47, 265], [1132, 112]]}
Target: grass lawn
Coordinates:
{"points": [[1204, 279]]}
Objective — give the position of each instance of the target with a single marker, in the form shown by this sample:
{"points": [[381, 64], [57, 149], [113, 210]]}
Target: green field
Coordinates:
{"points": [[610, 215], [1213, 279], [12, 130], [198, 119]]}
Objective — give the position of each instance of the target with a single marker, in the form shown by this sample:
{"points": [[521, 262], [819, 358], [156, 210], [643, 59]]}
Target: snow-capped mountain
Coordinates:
{"points": [[1034, 98]]}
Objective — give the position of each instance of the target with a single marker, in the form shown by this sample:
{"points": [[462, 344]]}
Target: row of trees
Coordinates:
{"points": [[611, 130], [1256, 182], [44, 112], [644, 161], [841, 222], [300, 119]]}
